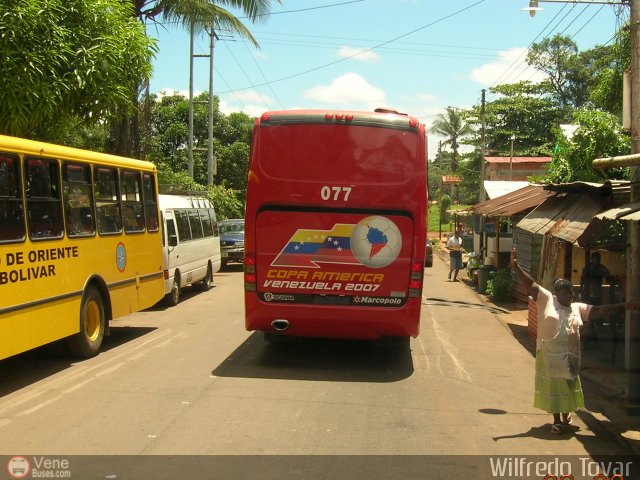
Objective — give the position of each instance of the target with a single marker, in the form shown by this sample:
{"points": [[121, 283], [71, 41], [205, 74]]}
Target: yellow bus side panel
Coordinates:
{"points": [[42, 283]]}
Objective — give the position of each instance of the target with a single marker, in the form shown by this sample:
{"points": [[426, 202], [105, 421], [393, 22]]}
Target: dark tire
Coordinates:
{"points": [[173, 297], [224, 263], [205, 285], [86, 343]]}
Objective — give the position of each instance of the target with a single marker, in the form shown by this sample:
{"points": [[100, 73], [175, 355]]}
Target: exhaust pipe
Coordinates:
{"points": [[280, 324]]}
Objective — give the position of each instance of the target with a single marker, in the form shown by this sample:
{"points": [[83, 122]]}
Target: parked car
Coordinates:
{"points": [[428, 257], [231, 240]]}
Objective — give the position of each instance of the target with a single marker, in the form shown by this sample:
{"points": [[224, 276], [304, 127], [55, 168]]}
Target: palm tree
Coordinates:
{"points": [[452, 127], [196, 15]]}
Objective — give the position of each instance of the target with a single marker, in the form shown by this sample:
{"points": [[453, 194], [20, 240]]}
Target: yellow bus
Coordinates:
{"points": [[80, 244]]}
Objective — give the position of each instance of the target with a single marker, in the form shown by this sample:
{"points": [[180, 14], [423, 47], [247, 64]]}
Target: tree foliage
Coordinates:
{"points": [[224, 200], [453, 127], [199, 14], [231, 137], [522, 110], [68, 61], [599, 135]]}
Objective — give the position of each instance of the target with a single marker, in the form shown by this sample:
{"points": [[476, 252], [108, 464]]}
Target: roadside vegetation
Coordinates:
{"points": [[87, 87]]}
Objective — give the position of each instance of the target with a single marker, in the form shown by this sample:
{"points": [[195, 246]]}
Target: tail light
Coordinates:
{"points": [[250, 278], [415, 280]]}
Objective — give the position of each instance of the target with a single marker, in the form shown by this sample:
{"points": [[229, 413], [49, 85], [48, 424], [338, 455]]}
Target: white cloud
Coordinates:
{"points": [[250, 102], [348, 91], [169, 92], [510, 67], [251, 96], [361, 54]]}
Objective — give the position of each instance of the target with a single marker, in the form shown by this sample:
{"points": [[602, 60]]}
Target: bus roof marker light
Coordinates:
{"points": [[339, 116], [349, 118], [413, 123], [265, 117]]}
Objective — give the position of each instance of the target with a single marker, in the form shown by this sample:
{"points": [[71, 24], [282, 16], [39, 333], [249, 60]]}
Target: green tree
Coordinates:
{"points": [[583, 79], [558, 58], [68, 62], [453, 128], [224, 200], [522, 110], [599, 135], [231, 136], [196, 15], [605, 91]]}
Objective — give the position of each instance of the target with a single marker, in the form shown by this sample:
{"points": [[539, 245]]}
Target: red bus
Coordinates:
{"points": [[335, 224]]}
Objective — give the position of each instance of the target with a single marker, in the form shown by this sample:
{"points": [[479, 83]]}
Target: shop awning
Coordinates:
{"points": [[512, 203], [628, 211], [564, 216]]}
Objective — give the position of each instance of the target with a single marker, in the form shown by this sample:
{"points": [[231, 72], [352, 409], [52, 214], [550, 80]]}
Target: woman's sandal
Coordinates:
{"points": [[556, 429]]}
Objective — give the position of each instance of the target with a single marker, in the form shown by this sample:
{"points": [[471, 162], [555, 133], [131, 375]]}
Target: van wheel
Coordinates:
{"points": [[205, 285], [86, 343], [173, 297]]}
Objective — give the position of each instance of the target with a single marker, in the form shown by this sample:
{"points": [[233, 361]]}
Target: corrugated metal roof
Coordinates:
{"points": [[628, 211], [512, 203], [564, 216], [497, 188]]}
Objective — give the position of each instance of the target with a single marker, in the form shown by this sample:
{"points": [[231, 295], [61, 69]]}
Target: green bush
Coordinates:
{"points": [[499, 284]]}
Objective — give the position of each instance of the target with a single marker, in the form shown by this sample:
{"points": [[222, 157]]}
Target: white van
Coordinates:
{"points": [[191, 243]]}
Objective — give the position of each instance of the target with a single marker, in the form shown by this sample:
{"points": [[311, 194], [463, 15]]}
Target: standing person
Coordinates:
{"points": [[557, 384], [454, 245], [593, 275]]}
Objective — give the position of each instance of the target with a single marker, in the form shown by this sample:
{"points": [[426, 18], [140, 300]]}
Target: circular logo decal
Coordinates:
{"points": [[18, 467], [121, 257], [376, 241]]}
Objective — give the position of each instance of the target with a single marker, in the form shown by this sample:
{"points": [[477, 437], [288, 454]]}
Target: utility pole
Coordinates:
{"points": [[633, 263], [211, 160], [190, 139], [513, 137], [483, 147], [211, 165], [483, 152]]}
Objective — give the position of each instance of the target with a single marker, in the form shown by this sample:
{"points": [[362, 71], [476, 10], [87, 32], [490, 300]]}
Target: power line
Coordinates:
{"points": [[263, 75], [446, 17], [304, 9]]}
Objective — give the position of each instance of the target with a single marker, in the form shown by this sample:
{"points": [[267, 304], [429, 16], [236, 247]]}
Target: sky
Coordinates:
{"points": [[414, 56]]}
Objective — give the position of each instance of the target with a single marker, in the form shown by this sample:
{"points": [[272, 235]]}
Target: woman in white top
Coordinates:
{"points": [[557, 384]]}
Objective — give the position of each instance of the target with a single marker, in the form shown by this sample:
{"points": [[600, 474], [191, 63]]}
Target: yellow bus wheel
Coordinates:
{"points": [[86, 343]]}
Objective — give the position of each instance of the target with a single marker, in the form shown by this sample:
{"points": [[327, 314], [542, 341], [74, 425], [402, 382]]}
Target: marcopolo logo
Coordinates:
{"points": [[18, 467], [377, 301]]}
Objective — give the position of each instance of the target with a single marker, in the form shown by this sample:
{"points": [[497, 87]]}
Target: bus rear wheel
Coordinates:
{"points": [[86, 343]]}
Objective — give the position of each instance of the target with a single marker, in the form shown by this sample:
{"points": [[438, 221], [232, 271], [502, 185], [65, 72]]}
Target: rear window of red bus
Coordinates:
{"points": [[312, 152]]}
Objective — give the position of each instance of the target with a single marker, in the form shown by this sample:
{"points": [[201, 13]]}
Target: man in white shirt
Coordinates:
{"points": [[454, 246]]}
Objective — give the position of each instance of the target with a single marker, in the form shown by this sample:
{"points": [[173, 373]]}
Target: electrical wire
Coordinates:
{"points": [[314, 69]]}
